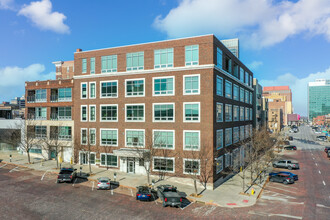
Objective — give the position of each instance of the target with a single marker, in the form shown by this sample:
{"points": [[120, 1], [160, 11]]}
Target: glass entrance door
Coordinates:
{"points": [[130, 165], [83, 158]]}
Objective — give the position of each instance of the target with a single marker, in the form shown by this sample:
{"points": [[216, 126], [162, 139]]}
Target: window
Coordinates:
{"points": [[219, 86], [236, 113], [163, 164], [135, 61], [246, 131], [219, 112], [65, 94], [246, 78], [41, 95], [227, 66], [229, 136], [241, 71], [228, 87], [163, 112], [191, 112], [134, 138], [109, 137], [219, 58], [227, 160], [109, 112], [241, 132], [235, 70], [247, 95], [135, 87], [236, 135], [191, 166], [228, 112], [109, 89], [219, 139], [163, 86], [109, 160], [41, 113], [84, 136], [219, 164], [84, 113], [92, 92], [236, 93], [242, 95], [251, 98], [84, 90], [164, 58], [92, 136], [242, 114], [164, 139], [251, 131], [92, 71], [247, 116], [191, 85], [191, 140], [135, 112], [109, 64], [64, 113], [250, 84], [192, 55], [251, 114], [64, 133], [92, 111], [40, 131], [84, 66]]}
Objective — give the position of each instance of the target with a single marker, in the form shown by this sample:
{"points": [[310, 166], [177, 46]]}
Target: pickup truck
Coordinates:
{"points": [[169, 195], [67, 175], [288, 164]]}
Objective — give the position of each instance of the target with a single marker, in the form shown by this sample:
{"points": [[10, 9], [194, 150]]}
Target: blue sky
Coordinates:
{"points": [[283, 42]]}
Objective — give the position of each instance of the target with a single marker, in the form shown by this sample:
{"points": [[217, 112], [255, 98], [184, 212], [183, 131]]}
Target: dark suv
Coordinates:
{"points": [[290, 147], [281, 178], [67, 175]]}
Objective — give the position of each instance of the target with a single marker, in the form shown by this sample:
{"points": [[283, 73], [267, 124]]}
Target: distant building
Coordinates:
{"points": [[293, 119], [318, 98], [232, 45], [19, 101], [6, 110], [275, 119], [260, 107]]}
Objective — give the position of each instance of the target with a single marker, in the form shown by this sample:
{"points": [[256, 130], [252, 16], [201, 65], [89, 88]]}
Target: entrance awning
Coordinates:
{"points": [[128, 152]]}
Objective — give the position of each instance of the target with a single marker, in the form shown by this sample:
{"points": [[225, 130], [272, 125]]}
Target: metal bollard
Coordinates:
{"points": [[10, 157]]}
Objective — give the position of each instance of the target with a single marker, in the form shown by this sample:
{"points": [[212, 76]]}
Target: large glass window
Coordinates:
{"points": [[109, 64], [135, 87], [92, 136], [235, 68], [41, 95], [229, 136], [191, 140], [246, 131], [191, 166], [109, 112], [228, 112], [228, 89], [109, 89], [164, 86], [92, 67], [219, 164], [247, 95], [241, 77], [92, 91], [92, 113], [84, 113], [219, 58], [246, 78], [84, 90], [109, 137], [84, 66], [65, 94], [109, 160], [236, 92], [40, 131], [163, 164], [164, 58], [65, 133], [135, 61], [241, 133], [242, 114], [227, 66], [191, 112], [135, 138], [247, 114], [84, 136], [164, 139], [219, 139], [242, 95], [192, 55], [41, 113], [236, 135], [236, 113], [135, 112], [251, 98], [219, 112], [163, 112], [191, 84], [219, 86], [64, 113]]}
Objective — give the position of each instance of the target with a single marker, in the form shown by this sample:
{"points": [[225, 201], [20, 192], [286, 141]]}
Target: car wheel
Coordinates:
{"points": [[271, 180], [274, 166], [164, 205], [285, 182], [136, 198], [290, 168]]}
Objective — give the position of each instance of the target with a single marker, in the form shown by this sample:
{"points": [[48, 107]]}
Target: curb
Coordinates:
{"points": [[263, 187]]}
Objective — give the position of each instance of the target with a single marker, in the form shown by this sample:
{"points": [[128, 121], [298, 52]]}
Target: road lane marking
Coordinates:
{"points": [[313, 158], [93, 185], [291, 190], [15, 169], [319, 172], [4, 165], [270, 214], [316, 164], [322, 206], [323, 182]]}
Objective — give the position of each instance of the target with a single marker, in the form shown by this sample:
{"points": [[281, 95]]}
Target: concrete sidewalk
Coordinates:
{"points": [[226, 195]]}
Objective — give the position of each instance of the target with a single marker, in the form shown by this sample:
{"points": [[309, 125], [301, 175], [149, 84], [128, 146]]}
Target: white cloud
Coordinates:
{"points": [[298, 86], [255, 65], [40, 13], [6, 4], [261, 23]]}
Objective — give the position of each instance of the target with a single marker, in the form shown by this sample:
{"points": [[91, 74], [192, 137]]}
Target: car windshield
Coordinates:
{"points": [[66, 171], [169, 190], [103, 181], [144, 190]]}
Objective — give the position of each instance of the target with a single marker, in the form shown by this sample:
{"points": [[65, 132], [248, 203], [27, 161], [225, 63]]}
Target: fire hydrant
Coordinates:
{"points": [[252, 191]]}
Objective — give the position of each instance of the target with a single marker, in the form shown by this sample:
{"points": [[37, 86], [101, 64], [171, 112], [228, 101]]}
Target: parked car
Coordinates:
{"points": [[169, 195], [290, 147], [103, 183], [288, 164], [290, 138], [326, 149], [321, 138], [144, 193], [67, 174], [294, 176], [281, 178]]}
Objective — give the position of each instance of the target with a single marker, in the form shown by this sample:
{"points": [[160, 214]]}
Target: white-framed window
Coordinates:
{"points": [[41, 95], [163, 112], [219, 139], [251, 114], [191, 55], [219, 58], [236, 92], [247, 116], [109, 64], [191, 84], [92, 136], [92, 113], [108, 137], [134, 87], [64, 94], [191, 140], [83, 134], [135, 61], [247, 131], [41, 113], [228, 136], [227, 160], [84, 113], [219, 112], [192, 112], [109, 160], [84, 65], [191, 166], [241, 113], [134, 112], [236, 135], [109, 89], [241, 78], [109, 112], [241, 96], [84, 90], [163, 164], [228, 89], [92, 67], [228, 112], [64, 113], [163, 86], [236, 113], [241, 133], [247, 96], [164, 139], [163, 58], [92, 90], [219, 86], [219, 164], [134, 137]]}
